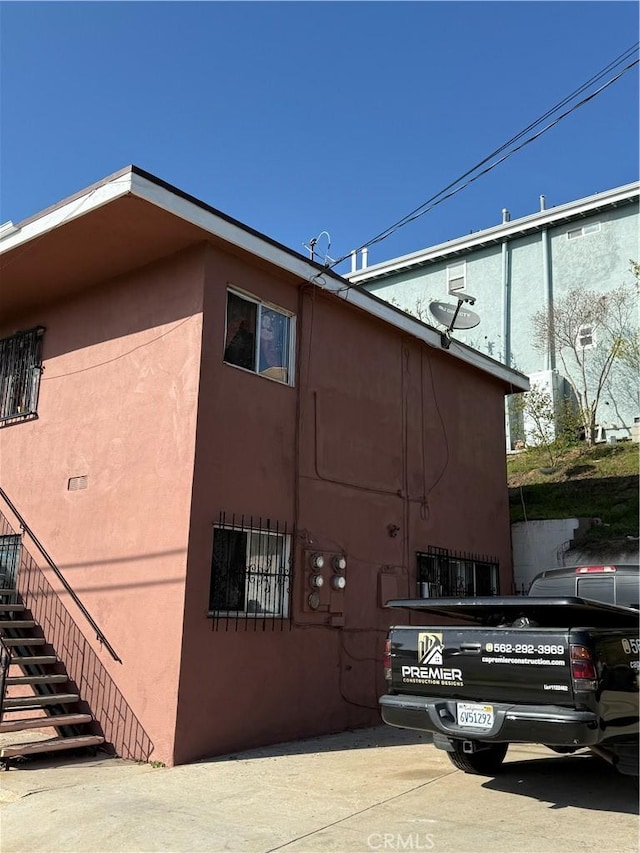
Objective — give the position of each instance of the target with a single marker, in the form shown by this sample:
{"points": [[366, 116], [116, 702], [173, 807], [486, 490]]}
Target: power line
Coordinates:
{"points": [[444, 193]]}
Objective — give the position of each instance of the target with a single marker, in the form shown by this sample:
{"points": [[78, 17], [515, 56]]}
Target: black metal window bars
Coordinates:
{"points": [[20, 371], [251, 574], [451, 574]]}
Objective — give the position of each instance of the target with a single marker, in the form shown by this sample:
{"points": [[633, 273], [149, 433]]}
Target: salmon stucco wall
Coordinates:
{"points": [[383, 447], [118, 407]]}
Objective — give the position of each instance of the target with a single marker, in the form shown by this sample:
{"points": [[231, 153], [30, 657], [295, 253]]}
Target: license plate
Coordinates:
{"points": [[475, 716]]}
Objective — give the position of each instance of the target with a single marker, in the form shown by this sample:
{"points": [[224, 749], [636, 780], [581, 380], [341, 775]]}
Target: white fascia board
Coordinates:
{"points": [[535, 221], [76, 206], [231, 232], [238, 236]]}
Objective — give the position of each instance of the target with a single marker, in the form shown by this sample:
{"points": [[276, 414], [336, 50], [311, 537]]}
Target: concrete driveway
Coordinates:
{"points": [[377, 789]]}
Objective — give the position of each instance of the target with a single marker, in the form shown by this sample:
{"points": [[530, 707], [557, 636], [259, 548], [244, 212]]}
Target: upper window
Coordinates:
{"points": [[20, 369], [250, 572], [259, 337], [583, 231], [456, 277], [586, 337]]}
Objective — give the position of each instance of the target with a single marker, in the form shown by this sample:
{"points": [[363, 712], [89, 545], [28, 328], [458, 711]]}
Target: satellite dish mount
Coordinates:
{"points": [[467, 321]]}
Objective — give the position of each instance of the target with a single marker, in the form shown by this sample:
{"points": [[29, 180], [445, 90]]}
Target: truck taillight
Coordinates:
{"points": [[583, 671], [386, 659], [585, 570]]}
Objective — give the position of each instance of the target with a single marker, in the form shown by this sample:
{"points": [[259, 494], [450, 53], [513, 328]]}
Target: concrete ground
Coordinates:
{"points": [[378, 789]]}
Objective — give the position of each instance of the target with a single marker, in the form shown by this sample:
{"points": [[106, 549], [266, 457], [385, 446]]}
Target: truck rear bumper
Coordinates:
{"points": [[546, 724]]}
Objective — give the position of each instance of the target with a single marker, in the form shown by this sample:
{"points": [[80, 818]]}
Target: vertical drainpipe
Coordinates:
{"points": [[506, 295], [506, 317], [547, 280]]}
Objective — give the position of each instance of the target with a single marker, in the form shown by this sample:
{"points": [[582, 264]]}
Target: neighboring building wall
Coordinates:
{"points": [[118, 405], [400, 447], [509, 290], [541, 545]]}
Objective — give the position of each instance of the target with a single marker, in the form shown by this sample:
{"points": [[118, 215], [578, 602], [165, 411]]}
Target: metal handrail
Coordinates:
{"points": [[25, 527]]}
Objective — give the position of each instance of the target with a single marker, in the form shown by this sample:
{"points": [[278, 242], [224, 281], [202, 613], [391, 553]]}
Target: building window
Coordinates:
{"points": [[456, 277], [9, 560], [251, 570], [20, 370], [259, 337], [586, 338], [448, 574], [574, 233]]}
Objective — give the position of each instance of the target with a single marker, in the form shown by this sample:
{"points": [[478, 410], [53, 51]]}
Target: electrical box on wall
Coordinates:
{"points": [[387, 585], [325, 582]]}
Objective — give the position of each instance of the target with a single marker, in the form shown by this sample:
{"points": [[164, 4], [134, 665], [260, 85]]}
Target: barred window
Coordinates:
{"points": [[250, 570], [20, 370], [9, 559], [448, 574]]}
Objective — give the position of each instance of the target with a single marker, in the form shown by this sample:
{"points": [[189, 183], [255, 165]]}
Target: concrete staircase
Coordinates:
{"points": [[37, 694]]}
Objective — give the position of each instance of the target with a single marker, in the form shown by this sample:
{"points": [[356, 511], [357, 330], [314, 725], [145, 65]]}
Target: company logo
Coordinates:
{"points": [[430, 648]]}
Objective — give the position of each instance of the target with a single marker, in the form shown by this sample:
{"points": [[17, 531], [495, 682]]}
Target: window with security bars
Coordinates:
{"points": [[9, 559], [20, 370], [449, 574], [251, 572]]}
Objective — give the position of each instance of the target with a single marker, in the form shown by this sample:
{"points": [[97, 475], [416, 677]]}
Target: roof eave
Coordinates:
{"points": [[134, 181]]}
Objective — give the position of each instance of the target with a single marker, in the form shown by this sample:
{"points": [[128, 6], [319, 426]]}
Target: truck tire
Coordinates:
{"points": [[484, 762]]}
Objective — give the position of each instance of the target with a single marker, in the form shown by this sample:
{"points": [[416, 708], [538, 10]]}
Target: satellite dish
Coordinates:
{"points": [[445, 313]]}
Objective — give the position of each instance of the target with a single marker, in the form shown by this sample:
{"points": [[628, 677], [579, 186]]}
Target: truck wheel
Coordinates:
{"points": [[485, 762]]}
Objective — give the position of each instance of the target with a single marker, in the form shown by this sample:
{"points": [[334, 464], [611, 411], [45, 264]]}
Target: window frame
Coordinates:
{"points": [[283, 576], [450, 267], [20, 373], [583, 231], [261, 306], [583, 334]]}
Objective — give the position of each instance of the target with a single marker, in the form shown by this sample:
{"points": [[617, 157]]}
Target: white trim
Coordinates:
{"points": [[543, 219], [77, 206]]}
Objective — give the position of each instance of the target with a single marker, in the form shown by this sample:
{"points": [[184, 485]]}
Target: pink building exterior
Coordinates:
{"points": [[363, 441]]}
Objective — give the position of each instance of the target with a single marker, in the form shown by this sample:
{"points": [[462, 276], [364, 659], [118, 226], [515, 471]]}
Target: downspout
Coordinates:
{"points": [[506, 315], [547, 280], [506, 327]]}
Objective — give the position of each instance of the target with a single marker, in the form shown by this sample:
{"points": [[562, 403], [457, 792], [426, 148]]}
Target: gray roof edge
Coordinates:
{"points": [[578, 209]]}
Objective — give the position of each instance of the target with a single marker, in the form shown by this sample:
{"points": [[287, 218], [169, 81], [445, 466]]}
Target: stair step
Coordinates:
{"points": [[33, 660], [37, 679], [24, 641], [50, 745], [8, 608], [44, 722], [40, 701], [17, 623]]}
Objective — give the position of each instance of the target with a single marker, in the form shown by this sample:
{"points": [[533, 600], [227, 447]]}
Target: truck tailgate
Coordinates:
{"points": [[523, 665]]}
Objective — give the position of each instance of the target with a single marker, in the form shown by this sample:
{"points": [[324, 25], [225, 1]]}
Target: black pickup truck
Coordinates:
{"points": [[557, 669]]}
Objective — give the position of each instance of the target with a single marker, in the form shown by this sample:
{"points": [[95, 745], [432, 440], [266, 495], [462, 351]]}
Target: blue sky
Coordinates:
{"points": [[297, 118]]}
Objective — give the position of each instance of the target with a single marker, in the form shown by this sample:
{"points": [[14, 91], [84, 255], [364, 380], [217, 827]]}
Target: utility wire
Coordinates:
{"points": [[443, 194]]}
